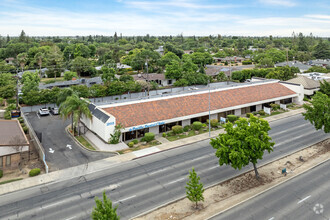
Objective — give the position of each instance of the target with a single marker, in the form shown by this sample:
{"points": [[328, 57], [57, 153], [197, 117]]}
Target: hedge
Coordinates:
{"points": [[148, 137], [135, 141], [249, 115], [25, 129], [177, 129], [131, 144], [7, 115], [197, 125], [275, 106], [1, 173], [34, 172], [262, 112], [232, 118], [214, 123], [186, 128]]}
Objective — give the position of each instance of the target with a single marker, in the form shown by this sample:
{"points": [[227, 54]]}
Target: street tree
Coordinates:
{"points": [[325, 87], [81, 66], [39, 57], [244, 142], [104, 209], [194, 188], [318, 112], [108, 74]]}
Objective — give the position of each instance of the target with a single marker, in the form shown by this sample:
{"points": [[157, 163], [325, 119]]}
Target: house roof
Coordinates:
{"points": [[158, 110], [12, 134], [150, 76], [306, 82], [98, 113]]}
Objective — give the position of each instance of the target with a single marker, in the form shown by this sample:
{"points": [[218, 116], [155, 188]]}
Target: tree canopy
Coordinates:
{"points": [[244, 142], [104, 209]]}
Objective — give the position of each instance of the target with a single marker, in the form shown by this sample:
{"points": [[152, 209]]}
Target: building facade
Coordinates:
{"points": [[160, 114]]}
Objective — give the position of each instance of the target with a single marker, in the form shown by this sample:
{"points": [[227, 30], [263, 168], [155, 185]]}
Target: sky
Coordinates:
{"points": [[171, 17]]}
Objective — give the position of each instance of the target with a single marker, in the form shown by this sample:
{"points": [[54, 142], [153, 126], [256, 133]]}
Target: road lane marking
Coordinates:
{"points": [[158, 171], [125, 199], [50, 205], [71, 218], [199, 158], [295, 138], [294, 128], [213, 167], [304, 199], [38, 115], [272, 218], [178, 180]]}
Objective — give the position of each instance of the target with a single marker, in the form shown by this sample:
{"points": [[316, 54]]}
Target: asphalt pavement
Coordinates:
{"points": [[140, 185], [304, 197], [60, 150]]}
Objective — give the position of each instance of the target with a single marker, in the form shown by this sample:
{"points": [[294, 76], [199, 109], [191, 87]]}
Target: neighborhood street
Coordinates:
{"points": [[303, 197], [142, 184]]}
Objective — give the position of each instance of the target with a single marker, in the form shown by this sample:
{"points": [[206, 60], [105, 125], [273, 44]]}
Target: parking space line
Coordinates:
{"points": [[38, 115]]}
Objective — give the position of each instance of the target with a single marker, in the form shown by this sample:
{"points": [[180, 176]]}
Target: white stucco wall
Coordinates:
{"points": [[299, 89], [238, 112], [258, 107], [214, 116]]}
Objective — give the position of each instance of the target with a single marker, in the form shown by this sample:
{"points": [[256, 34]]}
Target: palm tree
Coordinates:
{"points": [[22, 59], [39, 57], [63, 94], [75, 107]]}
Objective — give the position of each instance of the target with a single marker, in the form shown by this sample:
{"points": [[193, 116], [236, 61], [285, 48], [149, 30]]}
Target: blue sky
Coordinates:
{"points": [[171, 17]]}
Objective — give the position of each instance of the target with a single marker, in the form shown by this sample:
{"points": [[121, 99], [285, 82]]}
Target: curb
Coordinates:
{"points": [[77, 142], [230, 178], [316, 165]]}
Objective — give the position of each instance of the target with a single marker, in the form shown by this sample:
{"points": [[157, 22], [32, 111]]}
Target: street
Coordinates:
{"points": [[143, 184], [303, 197], [60, 150]]}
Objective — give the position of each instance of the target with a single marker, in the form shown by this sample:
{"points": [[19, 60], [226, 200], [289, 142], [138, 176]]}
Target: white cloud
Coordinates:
{"points": [[327, 17], [286, 3]]}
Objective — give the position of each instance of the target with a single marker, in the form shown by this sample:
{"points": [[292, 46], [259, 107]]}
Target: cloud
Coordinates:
{"points": [[326, 17], [286, 3]]}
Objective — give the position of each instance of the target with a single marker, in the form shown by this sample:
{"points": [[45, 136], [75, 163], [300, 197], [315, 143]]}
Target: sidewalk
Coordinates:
{"points": [[114, 161], [101, 145]]}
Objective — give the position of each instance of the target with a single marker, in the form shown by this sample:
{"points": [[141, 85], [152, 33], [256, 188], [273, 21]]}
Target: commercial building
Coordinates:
{"points": [[13, 144], [160, 114]]}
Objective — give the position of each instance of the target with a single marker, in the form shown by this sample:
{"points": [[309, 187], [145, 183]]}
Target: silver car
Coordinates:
{"points": [[43, 111], [54, 111]]}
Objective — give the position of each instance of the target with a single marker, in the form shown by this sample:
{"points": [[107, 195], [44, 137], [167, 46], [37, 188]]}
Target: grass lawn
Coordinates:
{"points": [[9, 181], [84, 142]]}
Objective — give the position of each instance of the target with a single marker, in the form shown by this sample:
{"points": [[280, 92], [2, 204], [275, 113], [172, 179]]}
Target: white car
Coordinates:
{"points": [[43, 111], [54, 111]]}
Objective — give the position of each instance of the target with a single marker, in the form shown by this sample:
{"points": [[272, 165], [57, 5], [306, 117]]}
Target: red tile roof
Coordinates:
{"points": [[153, 111]]}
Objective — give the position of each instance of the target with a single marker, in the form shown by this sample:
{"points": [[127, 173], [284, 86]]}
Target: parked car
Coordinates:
{"points": [[54, 111], [43, 111]]}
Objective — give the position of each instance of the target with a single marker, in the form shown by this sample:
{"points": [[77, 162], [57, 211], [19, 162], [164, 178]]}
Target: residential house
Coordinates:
{"points": [[10, 60], [14, 145], [310, 85], [158, 78], [302, 67], [160, 50]]}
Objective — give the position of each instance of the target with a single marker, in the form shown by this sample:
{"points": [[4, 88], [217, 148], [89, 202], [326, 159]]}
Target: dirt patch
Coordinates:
{"points": [[226, 194]]}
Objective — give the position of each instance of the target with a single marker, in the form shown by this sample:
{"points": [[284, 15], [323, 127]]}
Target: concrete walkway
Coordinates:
{"points": [[101, 145], [113, 161]]}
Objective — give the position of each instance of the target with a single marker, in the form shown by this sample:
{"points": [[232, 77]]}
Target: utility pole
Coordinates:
{"points": [[209, 109], [147, 76], [16, 89], [287, 57]]}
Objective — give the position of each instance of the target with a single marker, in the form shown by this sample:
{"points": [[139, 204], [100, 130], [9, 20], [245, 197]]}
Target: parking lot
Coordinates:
{"points": [[61, 151]]}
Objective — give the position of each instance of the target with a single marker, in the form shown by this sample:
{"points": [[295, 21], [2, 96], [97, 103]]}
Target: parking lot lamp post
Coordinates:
{"points": [[209, 110]]}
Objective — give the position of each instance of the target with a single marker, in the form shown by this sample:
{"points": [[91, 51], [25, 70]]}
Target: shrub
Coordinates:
{"points": [[246, 62], [1, 173], [131, 144], [7, 115], [232, 118], [135, 141], [177, 129], [214, 123], [25, 129], [197, 125], [34, 172], [262, 112], [21, 120], [186, 128], [275, 106], [149, 136], [204, 125], [249, 115], [68, 75], [164, 134]]}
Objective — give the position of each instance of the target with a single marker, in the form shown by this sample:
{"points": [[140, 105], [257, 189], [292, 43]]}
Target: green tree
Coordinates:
{"points": [[68, 75], [32, 76], [22, 59], [325, 87], [194, 188], [104, 210], [221, 77], [126, 78], [39, 57], [108, 74], [243, 143], [74, 107], [318, 113], [168, 58], [54, 62], [322, 50], [173, 70], [81, 66]]}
